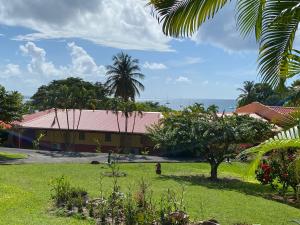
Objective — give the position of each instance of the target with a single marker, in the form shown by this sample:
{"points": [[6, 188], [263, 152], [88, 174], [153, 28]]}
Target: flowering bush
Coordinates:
{"points": [[279, 171]]}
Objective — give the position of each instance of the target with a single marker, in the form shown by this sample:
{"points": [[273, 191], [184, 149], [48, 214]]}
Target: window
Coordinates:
{"points": [[81, 136], [107, 137]]}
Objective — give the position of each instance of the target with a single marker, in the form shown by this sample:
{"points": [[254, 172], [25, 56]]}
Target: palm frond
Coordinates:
{"points": [[277, 40], [249, 14], [184, 17], [286, 139]]}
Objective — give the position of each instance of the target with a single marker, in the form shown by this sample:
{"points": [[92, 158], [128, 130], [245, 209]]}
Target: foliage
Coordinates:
{"points": [[196, 131], [11, 106], [258, 92], [68, 95], [280, 171], [119, 208], [150, 106], [283, 140], [274, 24], [64, 195], [123, 77], [36, 142], [81, 94]]}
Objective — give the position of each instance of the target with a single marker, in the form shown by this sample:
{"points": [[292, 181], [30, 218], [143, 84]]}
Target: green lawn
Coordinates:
{"points": [[25, 192], [6, 156]]}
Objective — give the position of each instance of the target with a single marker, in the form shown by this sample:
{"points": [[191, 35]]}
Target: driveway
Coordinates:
{"points": [[43, 156]]}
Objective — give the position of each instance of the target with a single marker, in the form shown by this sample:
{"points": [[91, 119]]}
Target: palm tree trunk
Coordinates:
{"points": [[79, 118], [73, 130], [133, 125], [67, 136], [58, 124], [118, 122]]}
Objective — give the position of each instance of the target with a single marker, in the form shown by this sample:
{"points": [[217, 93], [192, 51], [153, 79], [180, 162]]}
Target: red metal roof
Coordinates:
{"points": [[91, 120], [277, 114], [283, 110]]}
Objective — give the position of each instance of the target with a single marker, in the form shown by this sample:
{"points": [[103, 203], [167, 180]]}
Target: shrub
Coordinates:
{"points": [[279, 171], [66, 196]]}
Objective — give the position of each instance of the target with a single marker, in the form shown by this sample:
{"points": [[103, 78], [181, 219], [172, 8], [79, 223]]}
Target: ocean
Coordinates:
{"points": [[227, 105]]}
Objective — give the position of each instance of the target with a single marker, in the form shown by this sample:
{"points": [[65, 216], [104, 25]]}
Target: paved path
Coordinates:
{"points": [[42, 156]]}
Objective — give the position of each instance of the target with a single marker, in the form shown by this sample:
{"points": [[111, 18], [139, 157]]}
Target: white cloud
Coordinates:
{"points": [[125, 24], [182, 79], [83, 63], [39, 65], [40, 70], [12, 69], [221, 32], [193, 60], [154, 66]]}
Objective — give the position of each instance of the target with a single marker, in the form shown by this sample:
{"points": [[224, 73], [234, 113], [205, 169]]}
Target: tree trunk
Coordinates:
{"points": [[67, 136], [73, 130], [134, 118], [214, 171]]}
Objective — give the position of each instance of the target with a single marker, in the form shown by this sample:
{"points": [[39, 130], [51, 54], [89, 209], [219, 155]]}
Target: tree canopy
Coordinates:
{"points": [[123, 77], [73, 92], [11, 105], [201, 132], [259, 92]]}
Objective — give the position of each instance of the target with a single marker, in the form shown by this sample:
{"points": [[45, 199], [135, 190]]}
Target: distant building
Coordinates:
{"points": [[277, 115], [95, 127]]}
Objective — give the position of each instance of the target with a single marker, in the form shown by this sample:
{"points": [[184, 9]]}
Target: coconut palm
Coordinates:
{"points": [[123, 80], [123, 77], [248, 93], [274, 24]]}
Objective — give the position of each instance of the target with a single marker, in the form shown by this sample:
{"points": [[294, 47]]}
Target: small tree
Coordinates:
{"points": [[197, 131], [11, 105]]}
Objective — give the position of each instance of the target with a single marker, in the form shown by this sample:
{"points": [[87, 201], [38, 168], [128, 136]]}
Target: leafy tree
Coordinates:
{"points": [[68, 95], [259, 92], [150, 106], [11, 105], [293, 98], [274, 24], [40, 100], [197, 131]]}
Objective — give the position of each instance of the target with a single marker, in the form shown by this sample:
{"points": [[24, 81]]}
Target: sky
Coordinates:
{"points": [[46, 40]]}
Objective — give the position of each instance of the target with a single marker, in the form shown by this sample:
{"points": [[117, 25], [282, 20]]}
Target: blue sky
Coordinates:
{"points": [[46, 40]]}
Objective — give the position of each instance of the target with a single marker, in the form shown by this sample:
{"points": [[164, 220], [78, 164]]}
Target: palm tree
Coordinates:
{"points": [[248, 94], [274, 24], [123, 82], [123, 77]]}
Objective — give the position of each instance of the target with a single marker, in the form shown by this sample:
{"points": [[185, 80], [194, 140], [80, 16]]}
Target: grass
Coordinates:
{"points": [[6, 156], [25, 192]]}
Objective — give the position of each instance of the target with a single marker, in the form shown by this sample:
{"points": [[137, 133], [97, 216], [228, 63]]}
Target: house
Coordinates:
{"points": [[84, 130], [277, 115]]}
